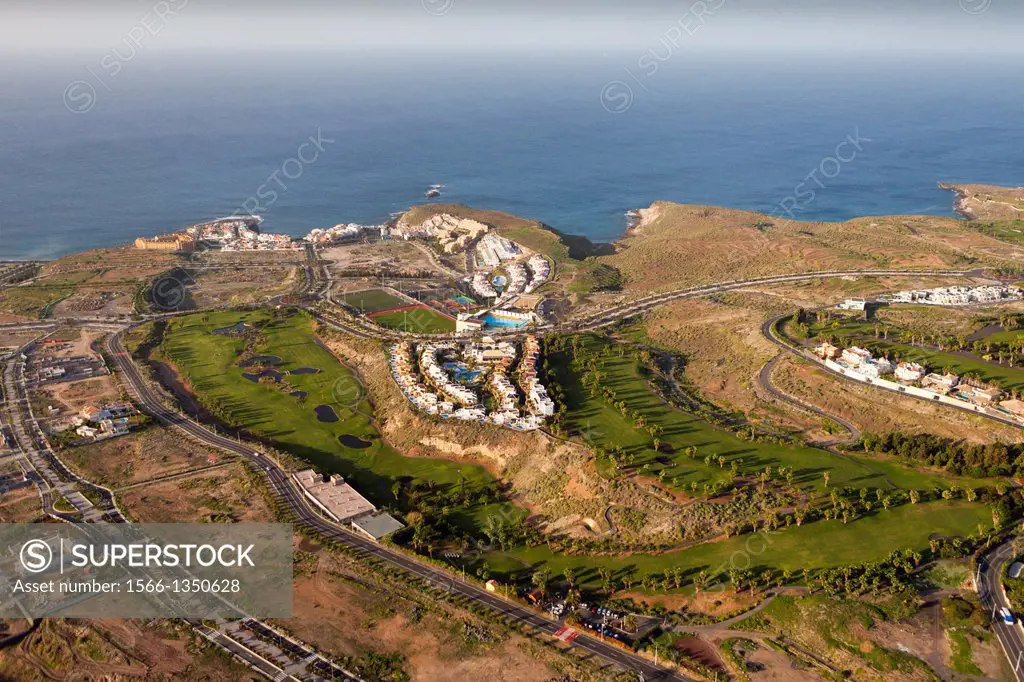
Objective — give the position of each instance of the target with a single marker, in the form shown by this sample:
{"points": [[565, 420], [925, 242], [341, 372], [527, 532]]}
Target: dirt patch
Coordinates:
{"points": [[106, 649], [769, 665], [21, 506], [139, 456], [717, 604], [224, 494], [346, 612]]}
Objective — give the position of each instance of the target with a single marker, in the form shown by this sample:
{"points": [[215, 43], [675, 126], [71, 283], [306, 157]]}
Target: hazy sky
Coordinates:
{"points": [[955, 26]]}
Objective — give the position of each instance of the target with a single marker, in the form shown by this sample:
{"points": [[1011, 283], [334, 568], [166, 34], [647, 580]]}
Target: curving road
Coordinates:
{"points": [[286, 493], [603, 318], [764, 378], [990, 590]]}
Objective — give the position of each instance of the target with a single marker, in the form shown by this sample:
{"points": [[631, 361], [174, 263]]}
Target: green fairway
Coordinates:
{"points": [[914, 475], [420, 320], [373, 301], [209, 363], [823, 544], [605, 427]]}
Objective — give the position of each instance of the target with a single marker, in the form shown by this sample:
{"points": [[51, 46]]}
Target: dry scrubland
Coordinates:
{"points": [[109, 281], [140, 456], [20, 506], [815, 293], [241, 286], [989, 202], [397, 256], [228, 494], [945, 321], [349, 611], [678, 245], [721, 339], [107, 649]]}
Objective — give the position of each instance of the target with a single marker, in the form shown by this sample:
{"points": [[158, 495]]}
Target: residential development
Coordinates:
{"points": [[914, 378], [958, 295], [473, 381]]}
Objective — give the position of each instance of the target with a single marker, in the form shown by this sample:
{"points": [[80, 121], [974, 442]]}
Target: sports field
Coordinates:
{"points": [[209, 362], [373, 301], [416, 319]]}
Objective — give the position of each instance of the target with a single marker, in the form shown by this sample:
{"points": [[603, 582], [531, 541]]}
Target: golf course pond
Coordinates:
{"points": [[325, 413], [350, 441]]}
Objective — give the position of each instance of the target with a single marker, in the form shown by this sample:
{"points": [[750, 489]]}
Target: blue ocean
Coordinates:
{"points": [[89, 158]]}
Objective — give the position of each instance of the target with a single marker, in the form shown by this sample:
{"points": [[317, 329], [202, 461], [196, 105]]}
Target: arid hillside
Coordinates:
{"points": [[678, 245]]}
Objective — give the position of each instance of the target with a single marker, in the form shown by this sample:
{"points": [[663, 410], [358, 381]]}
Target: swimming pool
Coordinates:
{"points": [[462, 373], [492, 320]]}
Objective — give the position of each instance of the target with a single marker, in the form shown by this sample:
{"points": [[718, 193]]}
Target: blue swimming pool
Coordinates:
{"points": [[462, 373], [492, 320]]}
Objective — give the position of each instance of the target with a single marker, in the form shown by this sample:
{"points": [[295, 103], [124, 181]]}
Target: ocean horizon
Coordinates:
{"points": [[92, 159]]}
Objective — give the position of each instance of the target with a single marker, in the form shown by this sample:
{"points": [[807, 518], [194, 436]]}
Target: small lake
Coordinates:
{"points": [[234, 330], [305, 370], [325, 413], [298, 394], [350, 441]]}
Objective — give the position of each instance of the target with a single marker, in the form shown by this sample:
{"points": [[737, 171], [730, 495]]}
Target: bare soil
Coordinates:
{"points": [[220, 494]]}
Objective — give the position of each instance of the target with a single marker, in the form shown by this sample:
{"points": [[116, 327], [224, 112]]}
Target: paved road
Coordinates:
{"points": [[596, 320], [612, 315], [764, 378], [284, 491], [993, 598]]}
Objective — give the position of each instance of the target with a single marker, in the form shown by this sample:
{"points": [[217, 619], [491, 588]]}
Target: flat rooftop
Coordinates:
{"points": [[336, 496]]}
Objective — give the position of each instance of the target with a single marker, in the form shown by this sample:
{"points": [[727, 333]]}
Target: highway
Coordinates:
{"points": [[608, 316], [284, 491], [993, 598]]}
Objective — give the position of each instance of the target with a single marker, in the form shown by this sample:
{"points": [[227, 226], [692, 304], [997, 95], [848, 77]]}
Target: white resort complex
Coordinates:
{"points": [[487, 381]]}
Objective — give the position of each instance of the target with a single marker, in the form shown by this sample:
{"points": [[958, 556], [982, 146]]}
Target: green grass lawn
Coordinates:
{"points": [[420, 320], [913, 475], [822, 544], [373, 300], [209, 362], [962, 658]]}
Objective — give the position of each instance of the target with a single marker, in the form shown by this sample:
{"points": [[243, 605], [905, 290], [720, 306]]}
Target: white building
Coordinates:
{"points": [[910, 371], [853, 304], [855, 356]]}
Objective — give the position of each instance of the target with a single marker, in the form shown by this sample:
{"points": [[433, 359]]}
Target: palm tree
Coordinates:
{"points": [[540, 580]]}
